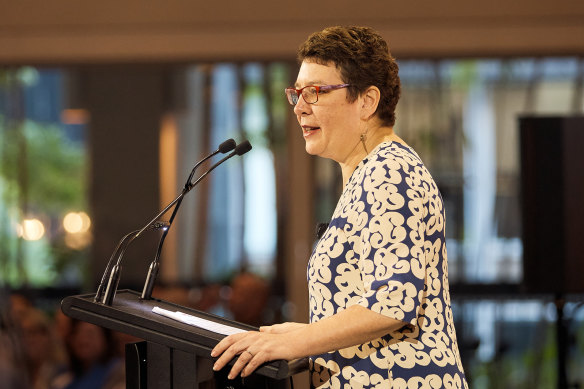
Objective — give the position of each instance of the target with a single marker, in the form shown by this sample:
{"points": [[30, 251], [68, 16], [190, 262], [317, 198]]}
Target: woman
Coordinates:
{"points": [[379, 300]]}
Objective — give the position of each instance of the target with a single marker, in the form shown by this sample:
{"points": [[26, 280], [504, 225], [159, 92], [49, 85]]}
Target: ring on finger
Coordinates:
{"points": [[250, 353]]}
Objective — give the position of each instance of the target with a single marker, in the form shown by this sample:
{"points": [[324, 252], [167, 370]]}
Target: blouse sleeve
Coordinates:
{"points": [[389, 212]]}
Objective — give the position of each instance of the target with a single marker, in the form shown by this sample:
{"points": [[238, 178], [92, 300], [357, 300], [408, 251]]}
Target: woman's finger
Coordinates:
{"points": [[227, 349], [242, 361], [225, 343], [267, 329], [252, 364]]}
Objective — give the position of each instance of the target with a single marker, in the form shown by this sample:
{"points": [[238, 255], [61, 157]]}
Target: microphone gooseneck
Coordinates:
{"points": [[223, 148], [240, 149]]}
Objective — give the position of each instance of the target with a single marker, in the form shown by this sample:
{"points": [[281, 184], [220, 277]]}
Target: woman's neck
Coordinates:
{"points": [[365, 144]]}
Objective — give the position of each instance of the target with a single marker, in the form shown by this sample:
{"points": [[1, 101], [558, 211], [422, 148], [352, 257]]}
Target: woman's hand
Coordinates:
{"points": [[352, 326], [255, 348]]}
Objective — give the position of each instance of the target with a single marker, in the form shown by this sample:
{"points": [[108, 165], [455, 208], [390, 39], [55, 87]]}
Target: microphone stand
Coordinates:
{"points": [[123, 243], [155, 265], [240, 149], [114, 274]]}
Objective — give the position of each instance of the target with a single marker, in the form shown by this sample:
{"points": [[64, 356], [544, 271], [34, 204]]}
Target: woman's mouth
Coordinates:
{"points": [[308, 130]]}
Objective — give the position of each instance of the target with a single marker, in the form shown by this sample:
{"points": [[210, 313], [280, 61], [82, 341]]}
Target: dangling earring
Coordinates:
{"points": [[363, 138]]}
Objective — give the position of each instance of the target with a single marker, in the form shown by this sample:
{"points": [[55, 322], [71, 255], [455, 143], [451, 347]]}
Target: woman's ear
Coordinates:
{"points": [[371, 99]]}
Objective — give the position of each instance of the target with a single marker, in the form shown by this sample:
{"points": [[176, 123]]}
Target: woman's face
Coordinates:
{"points": [[331, 126]]}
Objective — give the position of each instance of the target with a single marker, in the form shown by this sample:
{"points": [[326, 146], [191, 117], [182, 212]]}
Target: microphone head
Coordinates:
{"points": [[227, 146], [243, 148]]}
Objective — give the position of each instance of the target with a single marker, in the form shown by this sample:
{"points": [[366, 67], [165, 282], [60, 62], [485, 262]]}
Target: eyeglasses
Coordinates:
{"points": [[310, 92]]}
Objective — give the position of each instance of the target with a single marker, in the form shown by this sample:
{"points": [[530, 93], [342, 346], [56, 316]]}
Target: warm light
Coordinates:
{"points": [[31, 229], [76, 222], [75, 116], [77, 241]]}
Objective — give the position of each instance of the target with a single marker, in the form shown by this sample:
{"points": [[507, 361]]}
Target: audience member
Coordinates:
{"points": [[44, 355], [11, 354], [92, 358], [19, 305], [61, 325], [249, 296]]}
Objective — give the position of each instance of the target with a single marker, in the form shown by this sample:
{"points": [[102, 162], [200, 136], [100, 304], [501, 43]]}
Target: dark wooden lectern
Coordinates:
{"points": [[173, 354]]}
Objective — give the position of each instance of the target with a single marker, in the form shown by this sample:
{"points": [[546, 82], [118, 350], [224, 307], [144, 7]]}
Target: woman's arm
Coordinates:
{"points": [[353, 326]]}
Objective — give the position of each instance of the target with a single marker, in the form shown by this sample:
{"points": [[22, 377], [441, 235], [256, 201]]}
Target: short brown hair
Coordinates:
{"points": [[363, 58]]}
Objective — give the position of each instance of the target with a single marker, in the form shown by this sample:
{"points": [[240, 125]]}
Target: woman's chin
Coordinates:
{"points": [[311, 148]]}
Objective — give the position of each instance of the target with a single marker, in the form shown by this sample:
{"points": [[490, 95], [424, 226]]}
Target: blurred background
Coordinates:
{"points": [[106, 106]]}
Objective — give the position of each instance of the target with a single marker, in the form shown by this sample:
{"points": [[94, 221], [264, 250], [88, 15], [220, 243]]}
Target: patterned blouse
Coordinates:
{"points": [[385, 250]]}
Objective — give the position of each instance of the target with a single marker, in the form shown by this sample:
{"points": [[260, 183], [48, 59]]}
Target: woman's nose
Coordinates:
{"points": [[302, 107]]}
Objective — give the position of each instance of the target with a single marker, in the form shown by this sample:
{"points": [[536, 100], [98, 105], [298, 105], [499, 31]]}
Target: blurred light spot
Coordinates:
{"points": [[29, 76], [31, 229], [76, 222]]}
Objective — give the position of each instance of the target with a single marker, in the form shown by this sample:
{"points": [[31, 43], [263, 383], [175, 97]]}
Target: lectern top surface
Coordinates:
{"points": [[132, 315]]}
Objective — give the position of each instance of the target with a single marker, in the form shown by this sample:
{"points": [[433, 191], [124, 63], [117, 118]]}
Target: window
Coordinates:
{"points": [[241, 101], [45, 229]]}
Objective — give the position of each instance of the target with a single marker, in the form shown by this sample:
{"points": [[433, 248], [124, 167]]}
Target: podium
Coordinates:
{"points": [[172, 354]]}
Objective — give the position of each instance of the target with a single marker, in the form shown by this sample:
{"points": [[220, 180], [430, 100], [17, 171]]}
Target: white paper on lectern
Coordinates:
{"points": [[198, 322]]}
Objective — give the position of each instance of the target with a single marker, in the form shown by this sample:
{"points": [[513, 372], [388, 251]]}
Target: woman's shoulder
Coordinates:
{"points": [[389, 159], [393, 163], [396, 151]]}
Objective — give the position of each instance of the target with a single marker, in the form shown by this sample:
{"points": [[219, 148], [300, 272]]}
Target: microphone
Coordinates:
{"points": [[321, 229], [240, 149], [114, 272], [223, 148]]}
